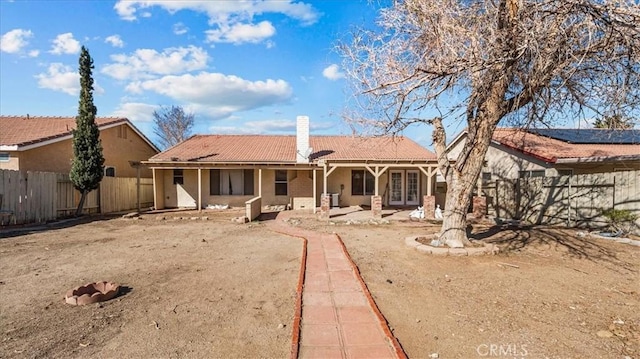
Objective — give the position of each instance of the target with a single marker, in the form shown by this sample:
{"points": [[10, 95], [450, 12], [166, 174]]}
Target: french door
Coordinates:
{"points": [[404, 187]]}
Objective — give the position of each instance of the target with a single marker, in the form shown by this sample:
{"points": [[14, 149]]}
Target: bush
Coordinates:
{"points": [[621, 220]]}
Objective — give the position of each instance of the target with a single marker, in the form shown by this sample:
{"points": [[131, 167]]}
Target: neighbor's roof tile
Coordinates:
{"points": [[22, 131], [550, 150], [262, 148]]}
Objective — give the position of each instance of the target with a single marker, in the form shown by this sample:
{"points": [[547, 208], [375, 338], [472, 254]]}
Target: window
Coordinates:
{"points": [[231, 182], [362, 183], [281, 183], [109, 171], [4, 157], [530, 174], [178, 177], [565, 172]]}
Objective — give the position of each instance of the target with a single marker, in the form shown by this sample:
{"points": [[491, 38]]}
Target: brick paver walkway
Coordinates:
{"points": [[339, 318]]}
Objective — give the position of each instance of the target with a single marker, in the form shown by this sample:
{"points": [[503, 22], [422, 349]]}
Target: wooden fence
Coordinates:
{"points": [[36, 197], [27, 198], [577, 200]]}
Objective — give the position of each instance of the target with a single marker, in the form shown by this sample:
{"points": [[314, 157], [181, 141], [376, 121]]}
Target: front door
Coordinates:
{"points": [[412, 187], [396, 197]]}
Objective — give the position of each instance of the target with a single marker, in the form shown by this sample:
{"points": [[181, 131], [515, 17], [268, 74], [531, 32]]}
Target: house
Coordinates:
{"points": [[556, 176], [299, 171], [517, 153], [33, 143]]}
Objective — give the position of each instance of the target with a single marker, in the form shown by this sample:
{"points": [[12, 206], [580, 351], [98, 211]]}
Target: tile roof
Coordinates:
{"points": [[22, 130], [282, 149], [551, 150]]}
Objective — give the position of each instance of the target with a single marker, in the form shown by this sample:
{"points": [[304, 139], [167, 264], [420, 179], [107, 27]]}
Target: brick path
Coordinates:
{"points": [[339, 317]]}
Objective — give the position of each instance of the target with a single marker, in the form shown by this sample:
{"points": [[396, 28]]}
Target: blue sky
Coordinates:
{"points": [[239, 66]]}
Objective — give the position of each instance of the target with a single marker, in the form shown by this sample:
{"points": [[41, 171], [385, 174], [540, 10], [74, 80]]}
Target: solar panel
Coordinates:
{"points": [[591, 136]]}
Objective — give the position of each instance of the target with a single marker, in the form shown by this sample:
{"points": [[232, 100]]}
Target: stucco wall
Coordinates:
{"points": [[117, 151], [299, 185], [13, 163]]}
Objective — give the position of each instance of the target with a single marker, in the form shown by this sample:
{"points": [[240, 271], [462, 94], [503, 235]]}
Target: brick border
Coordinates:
{"points": [[297, 315], [381, 319]]}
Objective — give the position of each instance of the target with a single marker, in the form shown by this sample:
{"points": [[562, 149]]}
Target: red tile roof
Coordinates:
{"points": [[552, 150], [282, 149], [22, 131]]}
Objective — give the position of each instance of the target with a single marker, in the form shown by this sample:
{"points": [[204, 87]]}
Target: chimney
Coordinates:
{"points": [[302, 139]]}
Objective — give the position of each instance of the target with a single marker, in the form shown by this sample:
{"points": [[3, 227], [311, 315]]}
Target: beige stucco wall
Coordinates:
{"points": [[13, 163], [186, 195], [56, 157]]}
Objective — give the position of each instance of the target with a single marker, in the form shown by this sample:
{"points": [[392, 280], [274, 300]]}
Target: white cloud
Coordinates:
{"points": [[271, 126], [217, 94], [223, 12], [114, 40], [135, 111], [231, 130], [332, 72], [65, 44], [63, 78], [15, 40], [34, 53], [146, 63], [60, 78], [240, 33], [180, 28]]}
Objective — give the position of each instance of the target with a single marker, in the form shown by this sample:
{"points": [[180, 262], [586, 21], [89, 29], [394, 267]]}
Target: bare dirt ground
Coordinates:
{"points": [[193, 288], [549, 294]]}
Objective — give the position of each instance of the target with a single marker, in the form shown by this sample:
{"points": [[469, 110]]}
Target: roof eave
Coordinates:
{"points": [[598, 159]]}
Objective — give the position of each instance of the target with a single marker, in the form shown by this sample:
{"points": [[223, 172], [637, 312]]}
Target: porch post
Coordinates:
{"points": [[138, 186], [260, 182], [324, 184], [199, 189], [430, 183], [377, 181], [314, 190], [155, 189]]}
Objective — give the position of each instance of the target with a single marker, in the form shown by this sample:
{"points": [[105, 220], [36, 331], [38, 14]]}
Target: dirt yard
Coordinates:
{"points": [[192, 288], [549, 294], [197, 288]]}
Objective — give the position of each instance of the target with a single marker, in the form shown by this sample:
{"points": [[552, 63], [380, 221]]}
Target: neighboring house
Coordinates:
{"points": [[29, 143], [292, 170], [516, 153]]}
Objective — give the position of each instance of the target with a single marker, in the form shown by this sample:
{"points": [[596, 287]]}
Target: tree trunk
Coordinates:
{"points": [[83, 196], [454, 223]]}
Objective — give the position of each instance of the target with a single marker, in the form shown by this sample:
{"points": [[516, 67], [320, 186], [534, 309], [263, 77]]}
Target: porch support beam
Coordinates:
{"points": [[199, 189], [315, 181], [260, 182], [376, 172], [155, 189]]}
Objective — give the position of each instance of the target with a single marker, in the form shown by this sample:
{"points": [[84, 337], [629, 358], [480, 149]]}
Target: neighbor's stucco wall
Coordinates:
{"points": [[117, 151], [13, 163]]}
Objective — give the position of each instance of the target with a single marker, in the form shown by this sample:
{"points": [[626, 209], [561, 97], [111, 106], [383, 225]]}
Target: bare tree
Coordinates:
{"points": [[172, 125], [483, 62]]}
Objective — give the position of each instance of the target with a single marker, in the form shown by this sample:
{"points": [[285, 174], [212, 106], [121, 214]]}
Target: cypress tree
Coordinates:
{"points": [[87, 166]]}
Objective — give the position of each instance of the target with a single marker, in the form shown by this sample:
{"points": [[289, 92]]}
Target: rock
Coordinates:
{"points": [[618, 321], [389, 281], [457, 251], [434, 356], [440, 251], [604, 334], [240, 220], [281, 326], [476, 251], [424, 249], [131, 215]]}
